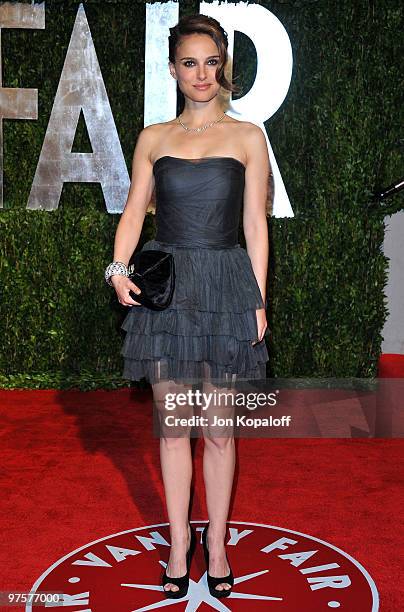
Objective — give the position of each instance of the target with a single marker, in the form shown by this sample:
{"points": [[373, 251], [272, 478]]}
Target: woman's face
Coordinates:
{"points": [[196, 62]]}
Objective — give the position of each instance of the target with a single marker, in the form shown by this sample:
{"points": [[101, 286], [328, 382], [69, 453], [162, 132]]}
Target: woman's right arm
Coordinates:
{"points": [[132, 218]]}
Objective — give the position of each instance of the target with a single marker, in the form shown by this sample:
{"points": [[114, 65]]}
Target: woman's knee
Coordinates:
{"points": [[175, 443], [217, 444]]}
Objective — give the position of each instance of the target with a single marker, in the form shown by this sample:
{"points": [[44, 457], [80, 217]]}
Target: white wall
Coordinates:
{"points": [[393, 331]]}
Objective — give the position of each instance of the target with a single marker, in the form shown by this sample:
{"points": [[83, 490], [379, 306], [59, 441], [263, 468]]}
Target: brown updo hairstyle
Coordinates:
{"points": [[202, 24]]}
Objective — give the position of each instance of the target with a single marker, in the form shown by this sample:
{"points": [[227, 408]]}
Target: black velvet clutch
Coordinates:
{"points": [[154, 274]]}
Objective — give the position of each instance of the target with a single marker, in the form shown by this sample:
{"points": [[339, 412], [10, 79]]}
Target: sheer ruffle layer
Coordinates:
{"points": [[184, 372], [211, 320]]}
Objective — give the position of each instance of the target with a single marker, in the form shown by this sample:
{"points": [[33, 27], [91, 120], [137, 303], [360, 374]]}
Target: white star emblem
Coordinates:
{"points": [[198, 592]]}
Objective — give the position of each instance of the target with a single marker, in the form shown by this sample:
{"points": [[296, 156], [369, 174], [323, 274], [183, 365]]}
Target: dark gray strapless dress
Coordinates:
{"points": [[208, 329]]}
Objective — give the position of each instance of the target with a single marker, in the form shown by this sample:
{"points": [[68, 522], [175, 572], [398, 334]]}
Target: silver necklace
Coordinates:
{"points": [[204, 127]]}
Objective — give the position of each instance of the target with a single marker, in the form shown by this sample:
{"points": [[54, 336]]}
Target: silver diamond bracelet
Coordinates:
{"points": [[116, 267]]}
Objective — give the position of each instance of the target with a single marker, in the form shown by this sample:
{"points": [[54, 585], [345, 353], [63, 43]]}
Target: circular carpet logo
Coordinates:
{"points": [[274, 569]]}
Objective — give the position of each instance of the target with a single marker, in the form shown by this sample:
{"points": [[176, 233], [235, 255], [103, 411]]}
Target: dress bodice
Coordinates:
{"points": [[198, 201]]}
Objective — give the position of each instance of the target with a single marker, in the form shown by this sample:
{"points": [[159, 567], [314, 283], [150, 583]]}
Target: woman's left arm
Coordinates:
{"points": [[254, 214]]}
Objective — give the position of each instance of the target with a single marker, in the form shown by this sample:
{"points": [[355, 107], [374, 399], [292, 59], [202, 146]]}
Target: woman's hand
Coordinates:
{"points": [[261, 324], [122, 286]]}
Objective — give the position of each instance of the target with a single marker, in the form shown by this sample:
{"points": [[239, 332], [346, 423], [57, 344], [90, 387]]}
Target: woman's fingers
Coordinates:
{"points": [[264, 332], [130, 286], [122, 287], [128, 300]]}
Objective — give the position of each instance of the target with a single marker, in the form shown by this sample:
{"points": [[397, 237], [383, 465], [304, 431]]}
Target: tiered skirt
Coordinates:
{"points": [[209, 327]]}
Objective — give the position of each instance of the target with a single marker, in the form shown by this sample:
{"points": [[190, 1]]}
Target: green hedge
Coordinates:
{"points": [[335, 139]]}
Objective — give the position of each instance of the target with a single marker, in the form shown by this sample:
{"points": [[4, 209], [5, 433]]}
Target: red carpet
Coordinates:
{"points": [[391, 365], [78, 467]]}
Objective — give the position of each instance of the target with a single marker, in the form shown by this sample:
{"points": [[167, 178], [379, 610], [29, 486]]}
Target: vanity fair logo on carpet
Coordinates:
{"points": [[274, 569]]}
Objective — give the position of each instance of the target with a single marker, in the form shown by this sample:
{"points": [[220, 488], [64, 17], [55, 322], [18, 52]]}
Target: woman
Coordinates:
{"points": [[203, 164]]}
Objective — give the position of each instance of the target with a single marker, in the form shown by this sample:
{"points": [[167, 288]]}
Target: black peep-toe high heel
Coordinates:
{"points": [[213, 581], [183, 581]]}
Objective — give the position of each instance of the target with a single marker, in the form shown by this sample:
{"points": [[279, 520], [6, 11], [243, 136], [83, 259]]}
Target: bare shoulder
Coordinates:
{"points": [[250, 134], [156, 127], [246, 126], [155, 130], [255, 147], [255, 143], [151, 135], [253, 134]]}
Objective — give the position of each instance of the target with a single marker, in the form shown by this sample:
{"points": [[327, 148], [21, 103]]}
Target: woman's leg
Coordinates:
{"points": [[218, 471], [176, 467]]}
